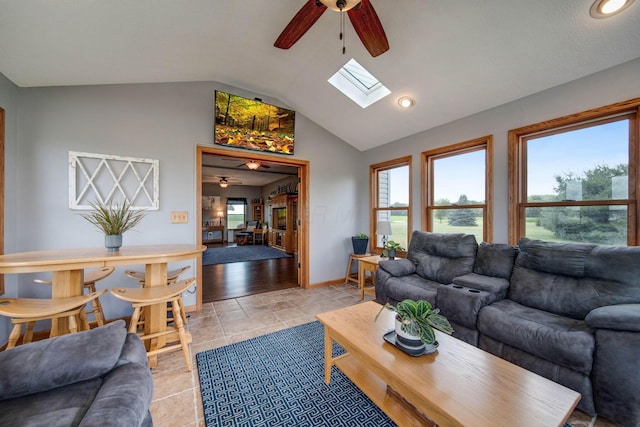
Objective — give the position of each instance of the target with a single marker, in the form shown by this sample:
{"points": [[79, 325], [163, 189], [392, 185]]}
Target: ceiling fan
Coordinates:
{"points": [[361, 13], [223, 181], [254, 165]]}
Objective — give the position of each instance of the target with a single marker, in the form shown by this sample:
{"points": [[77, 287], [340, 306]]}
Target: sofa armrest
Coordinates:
{"points": [[622, 317], [56, 362], [398, 267]]}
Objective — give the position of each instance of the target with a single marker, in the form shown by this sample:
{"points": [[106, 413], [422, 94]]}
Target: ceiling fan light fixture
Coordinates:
{"points": [[253, 165], [334, 5], [606, 8], [406, 101], [224, 183]]}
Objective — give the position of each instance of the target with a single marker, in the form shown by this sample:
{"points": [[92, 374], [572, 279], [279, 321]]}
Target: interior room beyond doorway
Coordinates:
{"points": [[250, 203]]}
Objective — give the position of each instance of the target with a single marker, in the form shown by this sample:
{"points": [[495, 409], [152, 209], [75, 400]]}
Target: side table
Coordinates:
{"points": [[353, 257], [370, 264]]}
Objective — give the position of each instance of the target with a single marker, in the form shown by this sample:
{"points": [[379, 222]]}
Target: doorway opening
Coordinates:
{"points": [[227, 176]]}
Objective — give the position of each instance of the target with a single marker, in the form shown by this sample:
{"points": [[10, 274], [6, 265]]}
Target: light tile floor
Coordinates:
{"points": [[176, 397]]}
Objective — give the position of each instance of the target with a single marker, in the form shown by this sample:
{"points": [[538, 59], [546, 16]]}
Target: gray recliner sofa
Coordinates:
{"points": [[567, 311], [99, 377]]}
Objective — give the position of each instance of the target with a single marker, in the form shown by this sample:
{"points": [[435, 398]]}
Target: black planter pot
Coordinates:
{"points": [[359, 245]]}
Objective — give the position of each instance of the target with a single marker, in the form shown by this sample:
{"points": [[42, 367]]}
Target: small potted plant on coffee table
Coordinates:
{"points": [[415, 322]]}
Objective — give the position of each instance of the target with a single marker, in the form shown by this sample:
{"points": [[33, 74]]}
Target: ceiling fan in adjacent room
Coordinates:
{"points": [[223, 181], [254, 165], [361, 13]]}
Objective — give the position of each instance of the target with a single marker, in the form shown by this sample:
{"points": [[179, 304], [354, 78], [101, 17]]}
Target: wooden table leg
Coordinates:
{"points": [[361, 278], [328, 355], [65, 284], [155, 316]]}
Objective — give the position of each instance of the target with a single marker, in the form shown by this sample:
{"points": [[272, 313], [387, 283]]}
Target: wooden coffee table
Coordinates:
{"points": [[458, 385]]}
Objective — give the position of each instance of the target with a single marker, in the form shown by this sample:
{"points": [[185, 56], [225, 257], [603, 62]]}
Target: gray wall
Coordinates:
{"points": [[607, 87], [165, 122]]}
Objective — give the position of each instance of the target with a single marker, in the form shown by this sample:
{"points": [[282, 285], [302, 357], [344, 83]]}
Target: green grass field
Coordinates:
{"points": [[399, 227]]}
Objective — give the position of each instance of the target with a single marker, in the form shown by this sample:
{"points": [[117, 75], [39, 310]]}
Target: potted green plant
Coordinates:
{"points": [[113, 221], [360, 243], [415, 322], [392, 248]]}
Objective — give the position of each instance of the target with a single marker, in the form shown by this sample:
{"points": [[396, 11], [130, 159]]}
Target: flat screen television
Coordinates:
{"points": [[280, 218], [252, 124]]}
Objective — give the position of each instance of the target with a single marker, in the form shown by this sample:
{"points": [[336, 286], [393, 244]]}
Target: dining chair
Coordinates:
{"points": [[89, 284], [31, 310], [145, 297]]}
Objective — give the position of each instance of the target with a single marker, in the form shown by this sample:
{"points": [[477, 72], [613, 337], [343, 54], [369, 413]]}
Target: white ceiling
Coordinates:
{"points": [[233, 170], [455, 58]]}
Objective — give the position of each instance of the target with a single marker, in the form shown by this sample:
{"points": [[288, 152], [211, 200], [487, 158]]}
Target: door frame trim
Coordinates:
{"points": [[303, 206]]}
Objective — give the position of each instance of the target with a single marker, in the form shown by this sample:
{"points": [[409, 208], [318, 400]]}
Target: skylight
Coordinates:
{"points": [[358, 84]]}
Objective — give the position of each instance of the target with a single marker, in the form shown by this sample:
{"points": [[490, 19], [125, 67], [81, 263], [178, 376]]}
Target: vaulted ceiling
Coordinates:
{"points": [[455, 58]]}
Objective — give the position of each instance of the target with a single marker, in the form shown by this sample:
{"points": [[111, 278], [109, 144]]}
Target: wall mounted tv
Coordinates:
{"points": [[252, 124]]}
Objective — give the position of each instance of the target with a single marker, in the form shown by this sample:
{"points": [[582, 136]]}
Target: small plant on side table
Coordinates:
{"points": [[391, 249]]}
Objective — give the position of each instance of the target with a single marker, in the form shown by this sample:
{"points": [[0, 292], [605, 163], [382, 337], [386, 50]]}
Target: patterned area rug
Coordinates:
{"points": [[240, 253], [278, 380]]}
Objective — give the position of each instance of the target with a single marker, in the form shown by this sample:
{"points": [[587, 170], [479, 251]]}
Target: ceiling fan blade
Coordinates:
{"points": [[300, 24], [368, 27]]}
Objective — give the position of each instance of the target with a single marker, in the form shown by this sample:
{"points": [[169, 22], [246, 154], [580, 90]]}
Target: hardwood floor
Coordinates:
{"points": [[238, 279]]}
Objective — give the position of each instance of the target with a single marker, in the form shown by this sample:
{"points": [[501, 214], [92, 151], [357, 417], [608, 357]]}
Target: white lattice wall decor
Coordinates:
{"points": [[111, 179]]}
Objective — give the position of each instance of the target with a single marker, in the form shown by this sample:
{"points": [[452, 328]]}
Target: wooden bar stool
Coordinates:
{"points": [[89, 285], [144, 297], [172, 277], [347, 277], [30, 310]]}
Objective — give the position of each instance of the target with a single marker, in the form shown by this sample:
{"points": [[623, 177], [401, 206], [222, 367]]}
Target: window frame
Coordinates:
{"points": [[518, 167], [373, 198], [427, 180]]}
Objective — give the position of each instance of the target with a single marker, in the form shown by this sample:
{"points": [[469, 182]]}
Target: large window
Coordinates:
{"points": [[391, 202], [236, 213], [457, 189], [574, 179]]}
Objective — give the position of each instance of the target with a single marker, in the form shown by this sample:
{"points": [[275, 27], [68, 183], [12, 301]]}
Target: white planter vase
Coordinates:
{"points": [[408, 342]]}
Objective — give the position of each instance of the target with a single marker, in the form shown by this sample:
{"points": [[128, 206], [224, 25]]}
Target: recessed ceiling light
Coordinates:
{"points": [[606, 8], [406, 101]]}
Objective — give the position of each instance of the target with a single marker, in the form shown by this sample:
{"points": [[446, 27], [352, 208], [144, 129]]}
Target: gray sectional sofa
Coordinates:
{"points": [[95, 378], [567, 311]]}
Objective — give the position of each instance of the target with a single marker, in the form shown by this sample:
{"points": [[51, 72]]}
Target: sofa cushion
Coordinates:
{"points": [[574, 283], [412, 287], [568, 259], [557, 339], [27, 369], [441, 257], [495, 259], [398, 267], [62, 406]]}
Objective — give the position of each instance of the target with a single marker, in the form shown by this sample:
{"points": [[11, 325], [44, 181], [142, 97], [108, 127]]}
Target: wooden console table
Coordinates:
{"points": [[68, 265], [212, 234]]}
